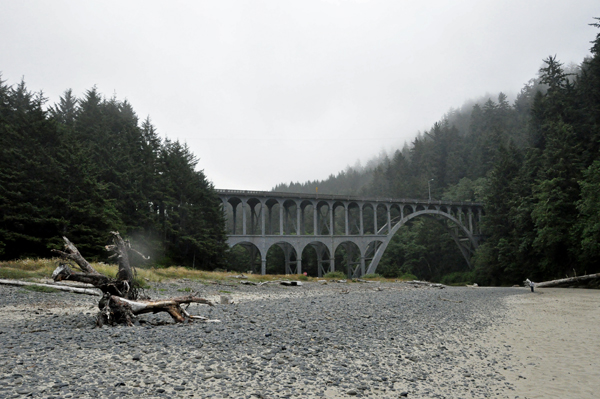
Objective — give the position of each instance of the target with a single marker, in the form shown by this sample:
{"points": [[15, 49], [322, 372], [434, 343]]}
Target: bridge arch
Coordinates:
{"points": [[375, 262]]}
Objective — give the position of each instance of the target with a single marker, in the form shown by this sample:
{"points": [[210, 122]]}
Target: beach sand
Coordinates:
{"points": [[554, 338]]}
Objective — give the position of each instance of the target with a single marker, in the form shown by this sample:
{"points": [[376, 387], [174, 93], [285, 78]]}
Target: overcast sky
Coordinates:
{"points": [[275, 91]]}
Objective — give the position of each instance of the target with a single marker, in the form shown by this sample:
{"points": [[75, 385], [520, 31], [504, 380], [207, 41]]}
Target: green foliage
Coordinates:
{"points": [[407, 277], [423, 248], [335, 275], [459, 278], [588, 225], [89, 167]]}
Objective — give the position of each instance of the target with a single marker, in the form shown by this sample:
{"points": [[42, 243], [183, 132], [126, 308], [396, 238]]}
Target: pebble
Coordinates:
{"points": [[274, 341]]}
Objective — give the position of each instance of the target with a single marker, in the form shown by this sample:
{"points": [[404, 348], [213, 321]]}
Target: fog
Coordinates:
{"points": [[265, 92]]}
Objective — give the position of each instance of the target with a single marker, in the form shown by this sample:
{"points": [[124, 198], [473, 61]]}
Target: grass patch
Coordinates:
{"points": [[226, 292], [37, 288], [407, 277], [336, 275], [372, 276], [185, 289], [32, 269]]}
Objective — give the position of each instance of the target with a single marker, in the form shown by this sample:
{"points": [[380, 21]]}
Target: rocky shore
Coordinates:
{"points": [[385, 340]]}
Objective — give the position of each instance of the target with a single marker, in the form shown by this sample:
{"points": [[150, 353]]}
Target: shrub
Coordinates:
{"points": [[458, 278], [407, 277], [335, 275]]}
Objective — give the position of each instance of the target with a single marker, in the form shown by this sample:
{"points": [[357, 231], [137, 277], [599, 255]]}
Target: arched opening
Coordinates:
{"points": [[272, 221], [382, 221], [253, 217], [339, 218], [307, 218], [347, 258], [354, 219], [369, 219], [323, 218], [316, 260], [290, 217], [231, 215], [282, 259], [244, 258]]}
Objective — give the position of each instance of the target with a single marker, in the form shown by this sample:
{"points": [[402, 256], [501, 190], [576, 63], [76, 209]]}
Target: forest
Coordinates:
{"points": [[87, 166], [84, 167], [534, 163]]}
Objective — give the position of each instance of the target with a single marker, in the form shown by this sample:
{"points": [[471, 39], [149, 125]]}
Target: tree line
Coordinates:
{"points": [[86, 166], [534, 163]]}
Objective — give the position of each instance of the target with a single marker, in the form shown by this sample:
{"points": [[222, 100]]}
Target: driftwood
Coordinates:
{"points": [[121, 300], [75, 290], [282, 282], [425, 283], [591, 280], [121, 310]]}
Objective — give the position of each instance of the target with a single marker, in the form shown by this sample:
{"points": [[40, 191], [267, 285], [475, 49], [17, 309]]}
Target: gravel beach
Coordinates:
{"points": [[386, 340]]}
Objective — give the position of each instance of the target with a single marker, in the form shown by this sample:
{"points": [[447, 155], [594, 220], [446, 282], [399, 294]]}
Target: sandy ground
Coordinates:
{"points": [[554, 338]]}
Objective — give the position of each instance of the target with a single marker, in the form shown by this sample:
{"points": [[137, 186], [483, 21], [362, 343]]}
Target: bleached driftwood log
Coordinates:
{"points": [[121, 300], [581, 280], [76, 290], [425, 283]]}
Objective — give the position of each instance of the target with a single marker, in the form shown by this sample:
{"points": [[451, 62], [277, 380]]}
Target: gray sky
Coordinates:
{"points": [[275, 91]]}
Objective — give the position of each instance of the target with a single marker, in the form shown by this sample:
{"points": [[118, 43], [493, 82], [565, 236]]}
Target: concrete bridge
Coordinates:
{"points": [[360, 227]]}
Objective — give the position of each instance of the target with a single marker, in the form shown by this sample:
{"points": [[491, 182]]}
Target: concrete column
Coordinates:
{"points": [[243, 217], [263, 209], [263, 263], [362, 225], [471, 220], [331, 258], [401, 211], [298, 220], [298, 264], [315, 220], [346, 216], [280, 218], [389, 219], [362, 265], [252, 219]]}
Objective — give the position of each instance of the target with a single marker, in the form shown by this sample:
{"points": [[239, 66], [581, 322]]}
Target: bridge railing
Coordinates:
{"points": [[274, 194]]}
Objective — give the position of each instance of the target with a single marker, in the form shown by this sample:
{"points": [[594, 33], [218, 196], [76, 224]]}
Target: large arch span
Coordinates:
{"points": [[361, 226]]}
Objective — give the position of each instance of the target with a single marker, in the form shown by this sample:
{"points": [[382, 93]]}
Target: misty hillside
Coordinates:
{"points": [[534, 162]]}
